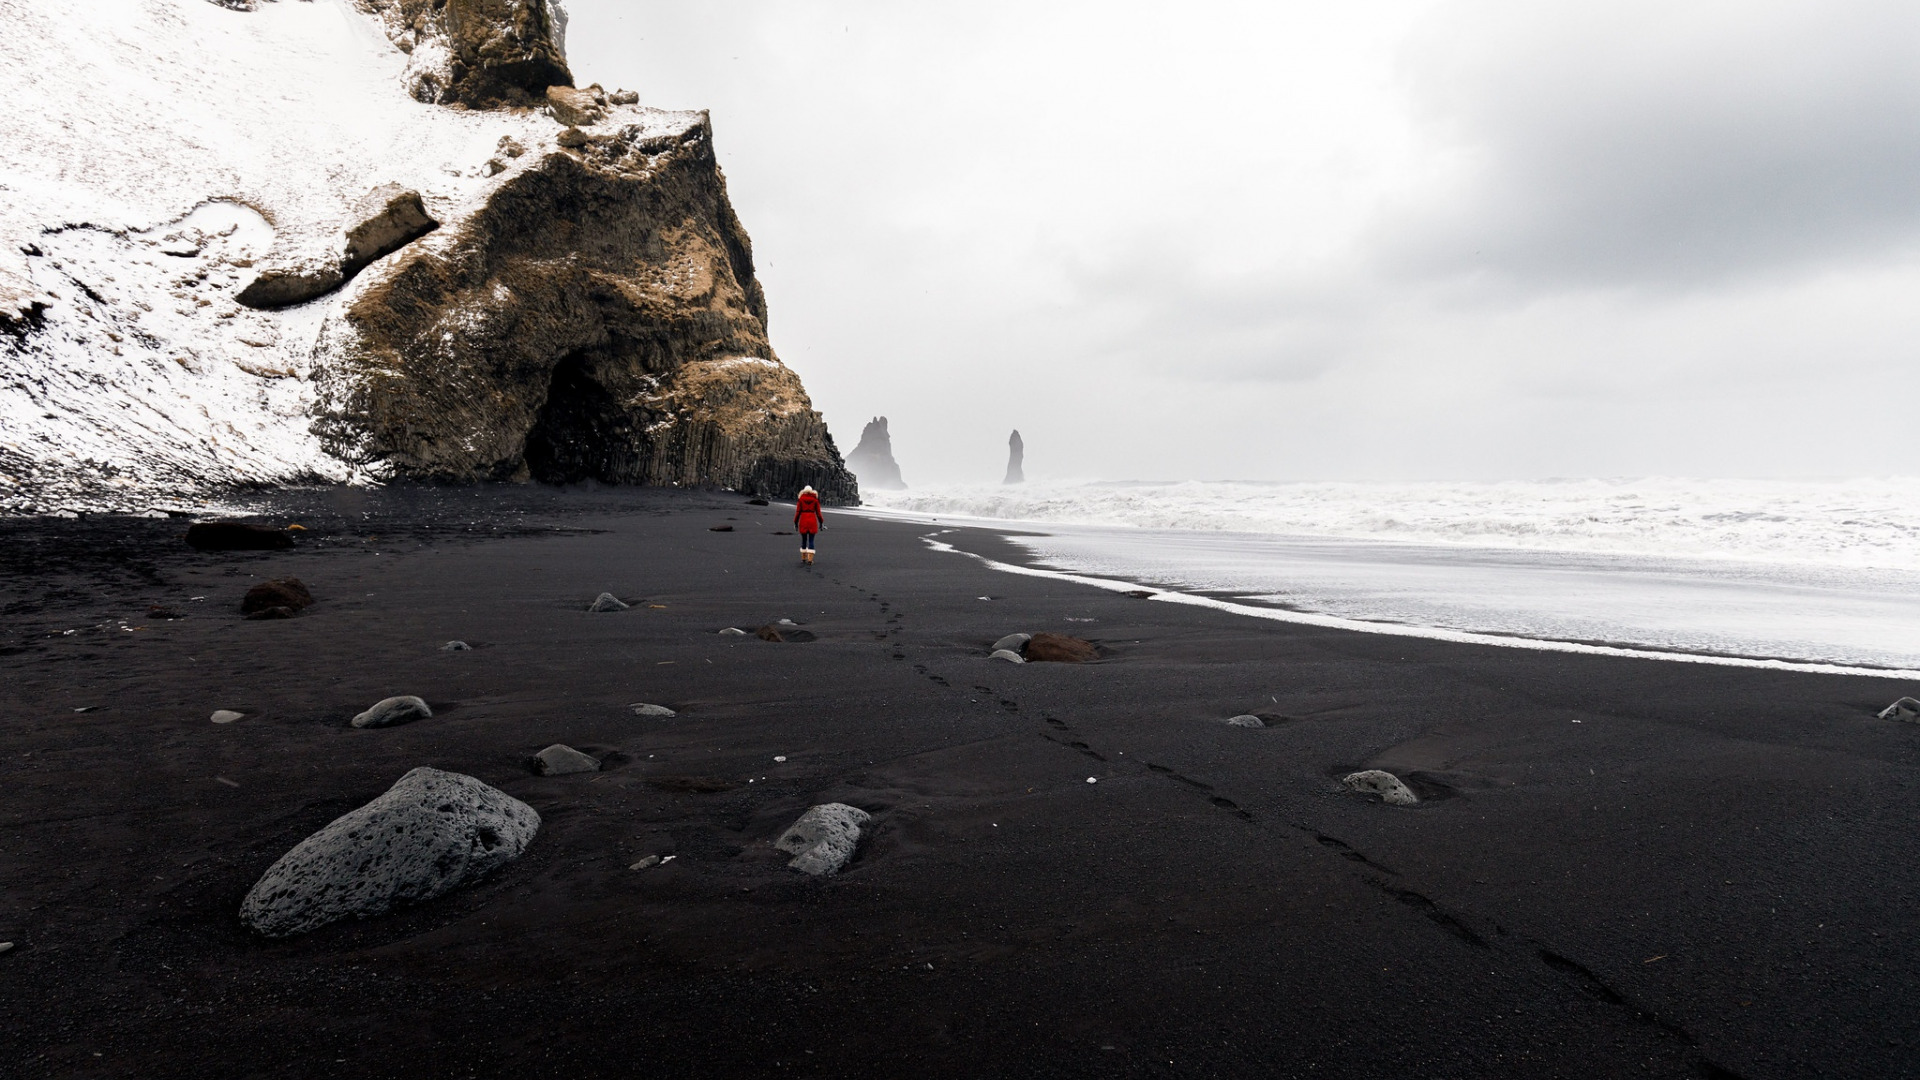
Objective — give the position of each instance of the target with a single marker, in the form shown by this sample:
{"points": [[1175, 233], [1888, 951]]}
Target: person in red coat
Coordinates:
{"points": [[807, 520]]}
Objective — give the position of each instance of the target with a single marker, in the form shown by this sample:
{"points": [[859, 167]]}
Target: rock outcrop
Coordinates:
{"points": [[595, 317], [1016, 459], [872, 460], [551, 283], [478, 53]]}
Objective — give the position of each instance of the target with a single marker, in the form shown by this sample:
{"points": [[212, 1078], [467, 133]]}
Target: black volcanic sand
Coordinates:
{"points": [[1622, 867]]}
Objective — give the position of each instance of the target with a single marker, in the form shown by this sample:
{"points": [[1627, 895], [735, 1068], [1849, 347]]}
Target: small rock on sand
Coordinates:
{"points": [[1059, 649], [394, 710], [6, 946], [226, 716], [824, 838], [651, 860], [733, 631], [456, 646], [1905, 709], [1382, 783], [562, 760], [1012, 643], [236, 536], [1245, 720], [719, 528], [430, 832], [606, 601], [1007, 655], [278, 599], [641, 708]]}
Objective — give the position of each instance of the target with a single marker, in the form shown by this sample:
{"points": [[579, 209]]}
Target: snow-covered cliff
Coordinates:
{"points": [[162, 161]]}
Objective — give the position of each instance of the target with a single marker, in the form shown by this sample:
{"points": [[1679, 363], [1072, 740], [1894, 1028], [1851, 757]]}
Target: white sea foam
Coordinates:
{"points": [[1819, 576], [1861, 523]]}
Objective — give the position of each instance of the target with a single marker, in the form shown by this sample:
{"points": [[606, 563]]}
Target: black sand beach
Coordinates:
{"points": [[1620, 867]]}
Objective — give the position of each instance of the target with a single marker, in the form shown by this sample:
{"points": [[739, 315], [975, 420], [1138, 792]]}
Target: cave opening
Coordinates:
{"points": [[581, 432]]}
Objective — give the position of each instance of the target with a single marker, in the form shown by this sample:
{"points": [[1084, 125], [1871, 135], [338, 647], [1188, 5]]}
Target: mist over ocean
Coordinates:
{"points": [[1810, 570]]}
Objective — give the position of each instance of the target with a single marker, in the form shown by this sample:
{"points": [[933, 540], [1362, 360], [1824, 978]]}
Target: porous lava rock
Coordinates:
{"points": [[595, 317], [606, 601], [283, 595], [1905, 709], [236, 536], [824, 838], [1389, 787], [871, 461], [431, 832], [1059, 649], [563, 760]]}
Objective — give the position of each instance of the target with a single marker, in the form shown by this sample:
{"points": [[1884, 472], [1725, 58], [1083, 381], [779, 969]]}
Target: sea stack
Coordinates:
{"points": [[872, 461], [1016, 453]]}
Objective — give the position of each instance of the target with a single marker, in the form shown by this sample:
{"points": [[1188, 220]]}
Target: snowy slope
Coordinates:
{"points": [[152, 153]]}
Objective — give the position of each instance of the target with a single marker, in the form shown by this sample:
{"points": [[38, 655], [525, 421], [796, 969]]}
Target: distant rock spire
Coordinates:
{"points": [[872, 461], [1016, 453]]}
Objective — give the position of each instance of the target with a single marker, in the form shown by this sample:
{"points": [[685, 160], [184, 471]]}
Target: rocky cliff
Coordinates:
{"points": [[366, 240]]}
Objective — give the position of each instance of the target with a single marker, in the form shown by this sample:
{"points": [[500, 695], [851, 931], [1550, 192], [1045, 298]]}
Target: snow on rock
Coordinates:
{"points": [[161, 160]]}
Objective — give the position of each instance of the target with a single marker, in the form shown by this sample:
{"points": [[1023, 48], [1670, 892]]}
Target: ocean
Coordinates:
{"points": [[1787, 573]]}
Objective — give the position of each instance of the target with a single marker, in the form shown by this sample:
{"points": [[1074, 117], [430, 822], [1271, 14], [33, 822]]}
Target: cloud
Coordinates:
{"points": [[1647, 143]]}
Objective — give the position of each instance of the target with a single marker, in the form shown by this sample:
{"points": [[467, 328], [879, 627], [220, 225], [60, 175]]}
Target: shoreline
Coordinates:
{"points": [[1214, 903]]}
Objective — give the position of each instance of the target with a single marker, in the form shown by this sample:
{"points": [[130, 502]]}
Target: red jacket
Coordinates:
{"points": [[806, 513]]}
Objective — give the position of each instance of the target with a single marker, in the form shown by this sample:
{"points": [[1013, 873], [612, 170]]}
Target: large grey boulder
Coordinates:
{"points": [[431, 832], [824, 838], [394, 710], [1382, 783]]}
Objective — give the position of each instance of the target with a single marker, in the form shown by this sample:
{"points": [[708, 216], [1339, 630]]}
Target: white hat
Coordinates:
{"points": [[808, 490]]}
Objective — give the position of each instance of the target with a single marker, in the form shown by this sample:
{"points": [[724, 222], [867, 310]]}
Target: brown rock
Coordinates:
{"points": [[1059, 648], [769, 633], [391, 217], [490, 52], [291, 283], [575, 108], [285, 594]]}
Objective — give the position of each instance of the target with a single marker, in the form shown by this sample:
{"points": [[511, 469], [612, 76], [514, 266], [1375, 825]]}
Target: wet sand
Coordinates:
{"points": [[1620, 867]]}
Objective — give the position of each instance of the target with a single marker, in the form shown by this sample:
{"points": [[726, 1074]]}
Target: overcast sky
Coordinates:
{"points": [[1386, 239]]}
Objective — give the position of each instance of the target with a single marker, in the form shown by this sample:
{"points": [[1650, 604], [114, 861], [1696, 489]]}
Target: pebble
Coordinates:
{"points": [[1382, 783], [641, 708], [779, 757], [1245, 720], [1012, 642], [606, 601], [824, 838], [456, 646], [394, 710], [733, 631], [651, 860], [226, 716], [563, 760], [1093, 779], [6, 946], [1008, 655], [1905, 709], [788, 622]]}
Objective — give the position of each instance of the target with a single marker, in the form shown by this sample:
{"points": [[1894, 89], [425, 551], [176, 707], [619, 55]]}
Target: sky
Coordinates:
{"points": [[1385, 239]]}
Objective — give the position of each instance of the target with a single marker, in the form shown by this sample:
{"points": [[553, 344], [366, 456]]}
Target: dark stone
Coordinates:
{"points": [[1016, 458], [769, 633], [1059, 649], [756, 502], [284, 286], [391, 217], [719, 528], [286, 594], [497, 52], [236, 536]]}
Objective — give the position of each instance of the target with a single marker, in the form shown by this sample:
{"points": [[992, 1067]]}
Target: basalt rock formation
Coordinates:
{"points": [[872, 460], [1016, 458], [479, 53]]}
